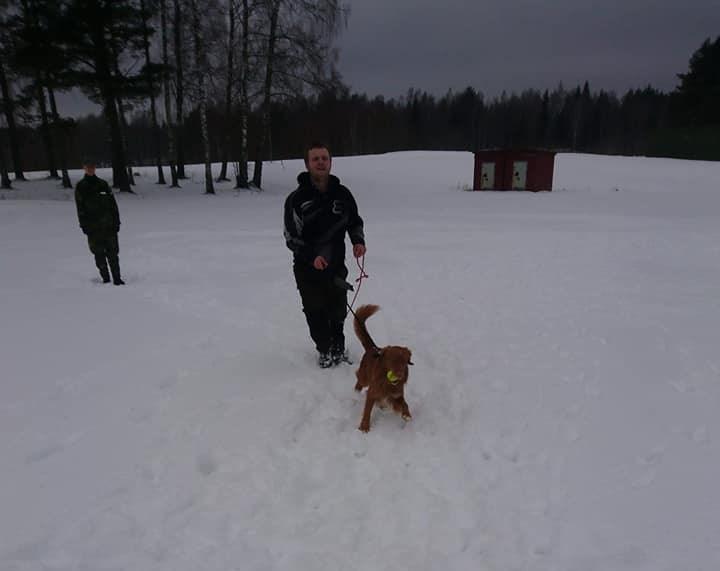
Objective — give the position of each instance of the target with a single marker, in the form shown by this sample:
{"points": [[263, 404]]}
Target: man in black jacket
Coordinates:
{"points": [[317, 216], [100, 221]]}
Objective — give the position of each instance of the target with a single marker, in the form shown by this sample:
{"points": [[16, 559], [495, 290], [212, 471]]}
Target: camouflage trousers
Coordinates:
{"points": [[104, 246]]}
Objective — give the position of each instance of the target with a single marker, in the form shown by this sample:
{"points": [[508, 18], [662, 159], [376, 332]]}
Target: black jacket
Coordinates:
{"points": [[96, 206], [316, 222]]}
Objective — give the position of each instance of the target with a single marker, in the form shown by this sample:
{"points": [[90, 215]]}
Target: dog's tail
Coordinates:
{"points": [[361, 315]]}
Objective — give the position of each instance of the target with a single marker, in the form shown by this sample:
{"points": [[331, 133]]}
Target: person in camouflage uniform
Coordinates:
{"points": [[317, 216], [100, 221]]}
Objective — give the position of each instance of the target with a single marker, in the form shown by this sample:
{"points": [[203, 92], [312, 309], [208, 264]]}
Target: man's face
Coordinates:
{"points": [[319, 162], [89, 170]]}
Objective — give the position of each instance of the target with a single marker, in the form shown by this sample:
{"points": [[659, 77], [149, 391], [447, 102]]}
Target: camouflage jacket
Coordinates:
{"points": [[96, 207]]}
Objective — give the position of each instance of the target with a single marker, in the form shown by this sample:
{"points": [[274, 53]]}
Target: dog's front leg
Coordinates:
{"points": [[365, 422], [360, 374], [401, 407]]}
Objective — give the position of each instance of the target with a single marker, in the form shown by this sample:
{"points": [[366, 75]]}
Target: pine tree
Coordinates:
{"points": [[40, 58], [4, 176], [699, 89], [8, 101], [100, 36]]}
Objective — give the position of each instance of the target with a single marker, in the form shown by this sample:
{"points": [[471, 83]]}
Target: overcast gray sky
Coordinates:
{"points": [[495, 45]]}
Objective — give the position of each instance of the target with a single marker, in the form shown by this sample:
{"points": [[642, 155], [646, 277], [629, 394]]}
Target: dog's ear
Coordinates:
{"points": [[409, 356], [378, 353]]}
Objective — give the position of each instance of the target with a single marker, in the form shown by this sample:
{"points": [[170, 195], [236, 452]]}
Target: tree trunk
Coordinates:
{"points": [[241, 178], [201, 69], [262, 148], [4, 177], [57, 132], [166, 91], [179, 90], [123, 138], [151, 86], [103, 60], [29, 17], [45, 128], [123, 125], [9, 109], [120, 178], [228, 91]]}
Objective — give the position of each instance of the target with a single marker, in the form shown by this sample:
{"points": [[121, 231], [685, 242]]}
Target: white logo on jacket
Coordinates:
{"points": [[338, 207]]}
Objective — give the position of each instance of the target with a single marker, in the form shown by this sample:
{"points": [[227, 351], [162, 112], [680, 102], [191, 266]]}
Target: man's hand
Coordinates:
{"points": [[358, 250], [320, 263]]}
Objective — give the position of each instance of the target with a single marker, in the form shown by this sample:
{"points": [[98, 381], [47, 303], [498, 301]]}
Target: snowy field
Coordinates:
{"points": [[565, 394]]}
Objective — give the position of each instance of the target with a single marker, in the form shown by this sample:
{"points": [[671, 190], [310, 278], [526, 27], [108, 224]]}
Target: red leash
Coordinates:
{"points": [[361, 266], [358, 281]]}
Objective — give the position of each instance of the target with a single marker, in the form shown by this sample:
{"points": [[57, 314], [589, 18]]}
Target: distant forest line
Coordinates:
{"points": [[641, 122]]}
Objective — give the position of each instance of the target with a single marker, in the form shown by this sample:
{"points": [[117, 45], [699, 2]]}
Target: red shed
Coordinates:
{"points": [[501, 169]]}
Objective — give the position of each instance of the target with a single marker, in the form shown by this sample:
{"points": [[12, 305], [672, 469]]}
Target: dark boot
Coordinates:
{"points": [[325, 360], [337, 346], [339, 355], [101, 264], [115, 270]]}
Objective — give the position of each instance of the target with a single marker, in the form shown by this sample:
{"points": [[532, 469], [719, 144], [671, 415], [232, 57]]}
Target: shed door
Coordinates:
{"points": [[487, 176], [519, 175]]}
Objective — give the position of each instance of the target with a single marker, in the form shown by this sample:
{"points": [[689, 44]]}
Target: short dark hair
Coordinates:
{"points": [[315, 145]]}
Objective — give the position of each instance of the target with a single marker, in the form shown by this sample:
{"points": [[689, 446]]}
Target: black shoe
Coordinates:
{"points": [[339, 355], [118, 281], [105, 279], [325, 360]]}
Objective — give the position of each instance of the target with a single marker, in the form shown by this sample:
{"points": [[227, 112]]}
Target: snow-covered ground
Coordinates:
{"points": [[565, 394]]}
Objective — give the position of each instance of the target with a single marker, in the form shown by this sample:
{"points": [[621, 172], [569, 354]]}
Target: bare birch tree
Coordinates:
{"points": [[146, 14], [272, 8], [299, 55], [169, 127], [178, 22], [241, 167], [201, 66], [229, 84]]}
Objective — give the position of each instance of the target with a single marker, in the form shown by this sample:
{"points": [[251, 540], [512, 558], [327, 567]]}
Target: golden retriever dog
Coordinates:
{"points": [[384, 371]]}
